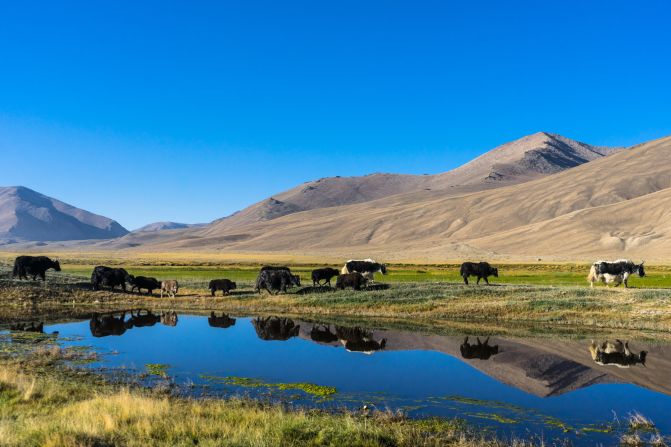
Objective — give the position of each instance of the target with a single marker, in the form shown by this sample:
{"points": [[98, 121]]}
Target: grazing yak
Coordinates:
{"points": [[275, 328], [480, 350], [616, 353], [142, 282], [169, 318], [225, 285], [616, 272], [34, 266], [367, 267], [224, 321], [321, 333], [480, 269], [276, 279], [356, 339], [354, 280], [170, 287], [325, 274], [108, 324], [109, 277]]}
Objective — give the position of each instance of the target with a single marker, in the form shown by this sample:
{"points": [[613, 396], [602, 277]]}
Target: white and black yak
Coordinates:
{"points": [[616, 272], [367, 267]]}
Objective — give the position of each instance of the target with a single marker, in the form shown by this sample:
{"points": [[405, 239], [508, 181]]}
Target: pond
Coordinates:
{"points": [[551, 388]]}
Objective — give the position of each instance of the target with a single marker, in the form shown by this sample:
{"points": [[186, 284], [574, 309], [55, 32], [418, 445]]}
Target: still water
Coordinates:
{"points": [[549, 388]]}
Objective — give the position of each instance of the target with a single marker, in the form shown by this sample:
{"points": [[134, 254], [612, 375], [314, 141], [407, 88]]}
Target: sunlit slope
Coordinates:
{"points": [[530, 157], [610, 206]]}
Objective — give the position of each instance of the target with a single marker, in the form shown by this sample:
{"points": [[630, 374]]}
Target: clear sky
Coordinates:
{"points": [[188, 111]]}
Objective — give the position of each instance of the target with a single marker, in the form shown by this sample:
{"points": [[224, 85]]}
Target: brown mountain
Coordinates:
{"points": [[530, 157], [608, 207], [26, 215]]}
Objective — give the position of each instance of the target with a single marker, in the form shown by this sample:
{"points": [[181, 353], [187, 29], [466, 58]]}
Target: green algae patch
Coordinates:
{"points": [[320, 391], [157, 369], [494, 417], [484, 403]]}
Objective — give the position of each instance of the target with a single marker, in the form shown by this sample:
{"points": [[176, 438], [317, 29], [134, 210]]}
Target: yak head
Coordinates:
{"points": [[495, 272], [383, 269], [57, 266], [233, 285], [296, 280], [641, 271]]}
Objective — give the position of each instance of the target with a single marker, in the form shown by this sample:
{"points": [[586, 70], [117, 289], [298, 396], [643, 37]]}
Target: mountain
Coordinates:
{"points": [[609, 207], [162, 226], [26, 215], [464, 213], [519, 161]]}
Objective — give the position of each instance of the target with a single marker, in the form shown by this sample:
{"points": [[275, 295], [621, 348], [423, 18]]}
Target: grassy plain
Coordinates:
{"points": [[44, 402], [535, 295]]}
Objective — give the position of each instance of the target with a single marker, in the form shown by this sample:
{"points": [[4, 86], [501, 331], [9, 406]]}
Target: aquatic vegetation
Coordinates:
{"points": [[494, 417], [157, 369], [639, 422], [320, 391]]}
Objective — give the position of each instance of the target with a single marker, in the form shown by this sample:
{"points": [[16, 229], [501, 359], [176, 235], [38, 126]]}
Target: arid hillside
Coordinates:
{"points": [[608, 207]]}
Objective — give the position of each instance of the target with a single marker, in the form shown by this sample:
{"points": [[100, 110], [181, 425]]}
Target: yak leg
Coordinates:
{"points": [[486, 280], [465, 279], [478, 281]]}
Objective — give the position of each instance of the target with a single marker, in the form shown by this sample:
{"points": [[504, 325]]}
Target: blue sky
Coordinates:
{"points": [[188, 111]]}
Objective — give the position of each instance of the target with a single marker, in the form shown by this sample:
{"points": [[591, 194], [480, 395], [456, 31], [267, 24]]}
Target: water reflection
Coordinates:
{"points": [[224, 321], [275, 328], [356, 339], [28, 327], [142, 318], [616, 353], [169, 318], [478, 350], [115, 323], [108, 324], [321, 333], [526, 380]]}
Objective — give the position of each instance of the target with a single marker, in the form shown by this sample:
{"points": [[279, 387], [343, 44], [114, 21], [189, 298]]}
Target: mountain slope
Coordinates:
{"points": [[27, 215], [519, 161], [608, 207], [162, 226]]}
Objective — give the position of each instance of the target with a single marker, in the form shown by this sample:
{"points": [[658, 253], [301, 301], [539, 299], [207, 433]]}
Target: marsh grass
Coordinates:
{"points": [[43, 403]]}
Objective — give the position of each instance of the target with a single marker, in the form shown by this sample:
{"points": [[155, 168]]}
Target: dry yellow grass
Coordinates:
{"points": [[66, 412]]}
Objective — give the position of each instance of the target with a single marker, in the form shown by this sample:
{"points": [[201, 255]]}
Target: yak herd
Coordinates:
{"points": [[355, 274]]}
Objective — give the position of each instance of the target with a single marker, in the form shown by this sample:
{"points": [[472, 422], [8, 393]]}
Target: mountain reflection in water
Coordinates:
{"points": [[576, 381]]}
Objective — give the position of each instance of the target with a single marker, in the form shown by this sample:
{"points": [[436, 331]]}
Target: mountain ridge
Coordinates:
{"points": [[27, 215]]}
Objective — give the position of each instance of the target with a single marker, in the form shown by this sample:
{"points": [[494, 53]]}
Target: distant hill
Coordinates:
{"points": [[516, 162], [26, 215], [162, 226]]}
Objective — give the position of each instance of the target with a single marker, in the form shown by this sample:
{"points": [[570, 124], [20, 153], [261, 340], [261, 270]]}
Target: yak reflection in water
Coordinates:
{"points": [[115, 323], [478, 350], [28, 327], [616, 353], [356, 339], [275, 328], [321, 333], [224, 321]]}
